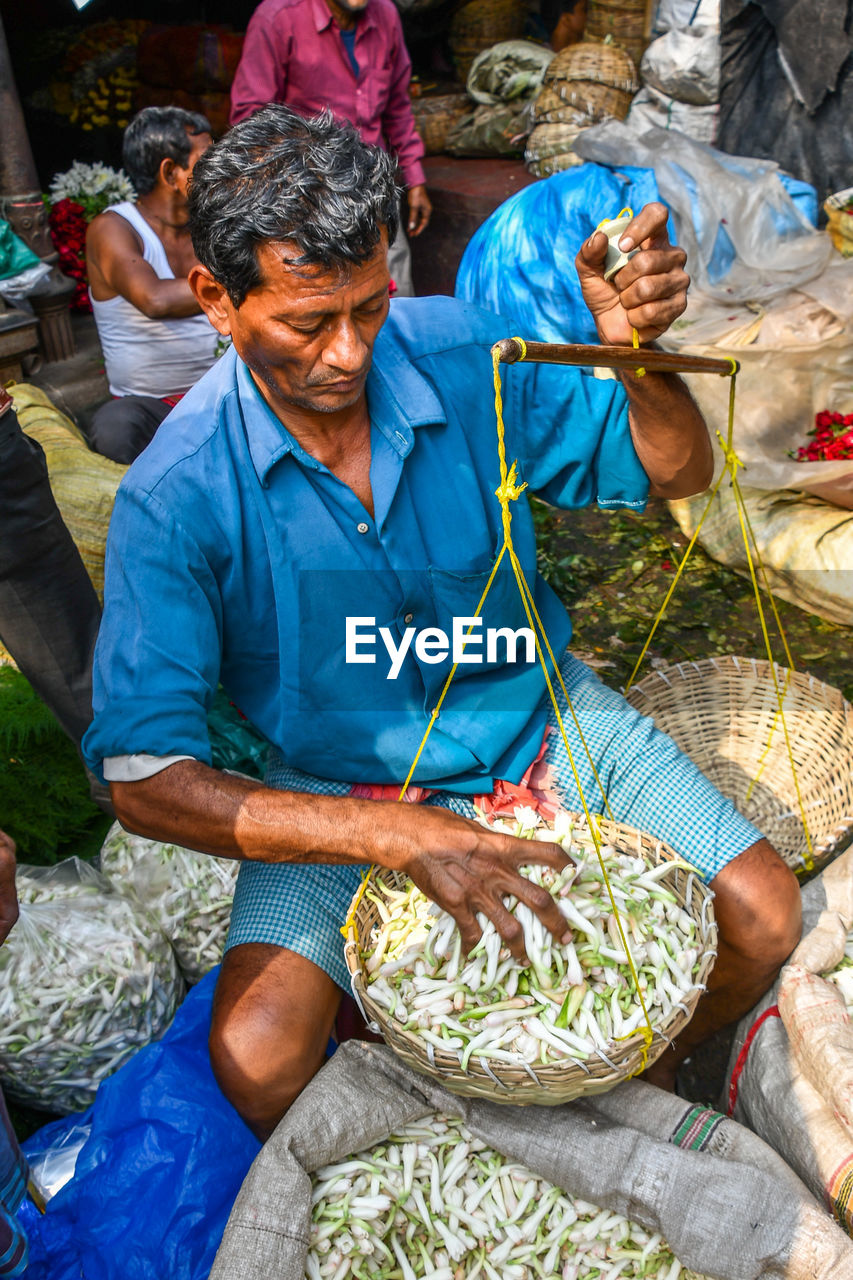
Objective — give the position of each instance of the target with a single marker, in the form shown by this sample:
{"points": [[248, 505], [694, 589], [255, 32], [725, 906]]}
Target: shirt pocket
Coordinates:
{"points": [[493, 643]]}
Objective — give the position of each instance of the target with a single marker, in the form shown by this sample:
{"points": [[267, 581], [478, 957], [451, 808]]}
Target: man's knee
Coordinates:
{"points": [[758, 906], [262, 1066], [122, 428]]}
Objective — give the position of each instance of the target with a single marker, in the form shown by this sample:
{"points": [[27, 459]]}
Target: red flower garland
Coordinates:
{"points": [[67, 221], [832, 439]]}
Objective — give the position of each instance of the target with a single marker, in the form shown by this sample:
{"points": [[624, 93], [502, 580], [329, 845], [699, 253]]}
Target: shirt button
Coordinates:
{"points": [[408, 618], [363, 528]]}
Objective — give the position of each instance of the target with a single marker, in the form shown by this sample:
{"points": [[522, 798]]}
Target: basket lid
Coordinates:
{"points": [[601, 63]]}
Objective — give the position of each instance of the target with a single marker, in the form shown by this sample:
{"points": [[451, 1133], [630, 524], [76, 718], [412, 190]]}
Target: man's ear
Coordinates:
{"points": [[212, 298], [166, 172]]}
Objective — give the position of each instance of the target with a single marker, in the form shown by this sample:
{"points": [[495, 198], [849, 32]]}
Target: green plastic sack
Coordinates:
{"points": [[15, 256], [491, 131], [509, 70]]}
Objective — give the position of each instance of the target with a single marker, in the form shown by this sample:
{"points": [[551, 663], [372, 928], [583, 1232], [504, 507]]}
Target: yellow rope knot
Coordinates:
{"points": [[732, 461], [509, 490]]}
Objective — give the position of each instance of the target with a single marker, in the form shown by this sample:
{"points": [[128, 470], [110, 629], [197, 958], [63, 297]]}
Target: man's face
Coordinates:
{"points": [[307, 333], [353, 8], [180, 176]]}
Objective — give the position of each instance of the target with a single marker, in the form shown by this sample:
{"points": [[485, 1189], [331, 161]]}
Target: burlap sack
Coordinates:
{"points": [[728, 1206], [791, 1069], [806, 545]]}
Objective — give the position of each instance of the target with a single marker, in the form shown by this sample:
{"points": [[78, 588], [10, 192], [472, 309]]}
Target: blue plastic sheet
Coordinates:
{"points": [[520, 262], [155, 1182]]}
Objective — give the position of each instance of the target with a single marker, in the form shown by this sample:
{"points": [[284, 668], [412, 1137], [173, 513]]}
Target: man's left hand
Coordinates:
{"points": [[420, 210], [649, 292], [8, 895]]}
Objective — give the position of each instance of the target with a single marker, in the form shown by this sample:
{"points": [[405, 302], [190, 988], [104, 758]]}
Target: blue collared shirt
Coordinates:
{"points": [[234, 555]]}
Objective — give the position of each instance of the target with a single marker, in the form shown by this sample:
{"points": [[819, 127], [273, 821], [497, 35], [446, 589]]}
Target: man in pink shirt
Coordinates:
{"points": [[349, 56]]}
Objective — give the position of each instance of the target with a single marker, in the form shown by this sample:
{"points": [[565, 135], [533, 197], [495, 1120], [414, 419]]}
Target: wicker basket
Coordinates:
{"points": [[549, 148], [481, 24], [550, 108], [600, 63], [556, 1083], [723, 712], [597, 101], [435, 117], [623, 21]]}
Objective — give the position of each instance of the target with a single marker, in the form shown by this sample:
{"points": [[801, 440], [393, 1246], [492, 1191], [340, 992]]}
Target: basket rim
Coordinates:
{"points": [[555, 1082], [753, 668]]}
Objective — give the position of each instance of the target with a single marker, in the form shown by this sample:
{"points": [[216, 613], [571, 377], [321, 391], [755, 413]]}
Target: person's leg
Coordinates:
{"points": [[281, 982], [122, 428], [400, 261], [273, 1013], [758, 912], [49, 611], [653, 786]]}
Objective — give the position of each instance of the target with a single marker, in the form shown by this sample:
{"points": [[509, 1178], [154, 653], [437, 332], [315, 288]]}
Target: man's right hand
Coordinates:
{"points": [[466, 869], [8, 895], [458, 863]]}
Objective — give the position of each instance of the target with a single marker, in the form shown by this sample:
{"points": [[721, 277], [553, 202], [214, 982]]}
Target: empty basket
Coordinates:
{"points": [[724, 714]]}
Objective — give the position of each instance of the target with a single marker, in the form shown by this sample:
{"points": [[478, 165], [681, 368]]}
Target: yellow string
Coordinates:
{"points": [[731, 465], [509, 490], [635, 340]]}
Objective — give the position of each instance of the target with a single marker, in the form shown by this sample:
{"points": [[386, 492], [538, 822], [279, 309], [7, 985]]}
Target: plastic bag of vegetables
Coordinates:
{"points": [[188, 893], [86, 979]]}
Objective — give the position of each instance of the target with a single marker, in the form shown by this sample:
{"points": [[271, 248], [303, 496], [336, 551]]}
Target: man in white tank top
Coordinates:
{"points": [[156, 341]]}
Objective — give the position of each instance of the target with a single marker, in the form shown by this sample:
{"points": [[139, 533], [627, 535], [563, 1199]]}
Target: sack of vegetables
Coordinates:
{"points": [[86, 979], [377, 1171], [581, 1016], [189, 894]]}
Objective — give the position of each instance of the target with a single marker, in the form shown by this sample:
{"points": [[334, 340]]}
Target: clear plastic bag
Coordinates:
{"points": [[509, 70], [52, 1163], [86, 979], [188, 893], [746, 239]]}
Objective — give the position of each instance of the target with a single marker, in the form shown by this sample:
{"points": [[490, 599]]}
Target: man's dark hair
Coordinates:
{"points": [[281, 177], [156, 134]]}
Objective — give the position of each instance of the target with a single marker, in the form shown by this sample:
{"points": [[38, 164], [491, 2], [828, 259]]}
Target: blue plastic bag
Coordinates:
{"points": [[520, 262], [155, 1182]]}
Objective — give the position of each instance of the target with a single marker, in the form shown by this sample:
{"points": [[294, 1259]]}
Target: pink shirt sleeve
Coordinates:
{"points": [[398, 121], [261, 75]]}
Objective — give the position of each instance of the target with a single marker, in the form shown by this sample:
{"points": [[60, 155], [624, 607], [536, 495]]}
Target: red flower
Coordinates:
{"points": [[831, 438]]}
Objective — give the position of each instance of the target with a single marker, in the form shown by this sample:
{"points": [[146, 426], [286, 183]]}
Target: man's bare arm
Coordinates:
{"points": [[116, 266], [459, 864], [647, 295]]}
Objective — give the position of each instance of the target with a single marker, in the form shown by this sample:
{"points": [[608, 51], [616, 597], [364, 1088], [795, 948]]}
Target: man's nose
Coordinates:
{"points": [[345, 350]]}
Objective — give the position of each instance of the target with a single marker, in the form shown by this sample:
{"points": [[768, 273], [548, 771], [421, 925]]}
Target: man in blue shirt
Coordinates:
{"points": [[315, 529]]}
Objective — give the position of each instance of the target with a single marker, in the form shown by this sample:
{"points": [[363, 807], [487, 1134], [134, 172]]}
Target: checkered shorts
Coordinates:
{"points": [[649, 784]]}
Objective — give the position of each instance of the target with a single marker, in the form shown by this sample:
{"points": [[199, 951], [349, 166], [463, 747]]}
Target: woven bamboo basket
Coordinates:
{"points": [[481, 24], [599, 63], [549, 148], [597, 101], [623, 22], [550, 108], [435, 117], [557, 1083], [723, 713]]}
